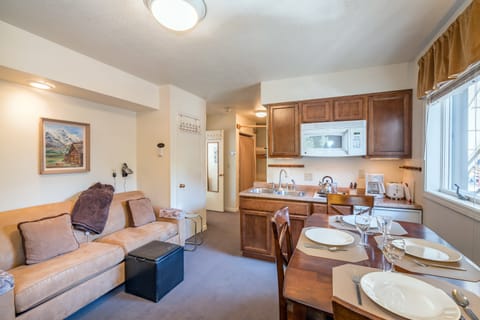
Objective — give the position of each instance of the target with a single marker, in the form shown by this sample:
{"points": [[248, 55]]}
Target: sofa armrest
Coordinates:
{"points": [[7, 306]]}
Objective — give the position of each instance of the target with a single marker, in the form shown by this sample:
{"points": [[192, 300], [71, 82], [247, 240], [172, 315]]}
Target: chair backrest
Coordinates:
{"points": [[283, 252], [343, 204]]}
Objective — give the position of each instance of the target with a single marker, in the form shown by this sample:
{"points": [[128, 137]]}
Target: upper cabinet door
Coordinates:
{"points": [[316, 111], [349, 108], [389, 122], [283, 131]]}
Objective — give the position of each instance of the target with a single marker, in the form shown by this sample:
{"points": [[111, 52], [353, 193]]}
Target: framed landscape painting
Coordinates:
{"points": [[64, 146]]}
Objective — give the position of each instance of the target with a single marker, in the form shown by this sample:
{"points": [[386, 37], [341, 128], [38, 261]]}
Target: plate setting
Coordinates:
{"points": [[428, 250], [331, 237], [409, 297]]}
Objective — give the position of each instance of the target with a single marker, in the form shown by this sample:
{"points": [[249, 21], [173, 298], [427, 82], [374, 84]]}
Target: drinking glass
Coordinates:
{"points": [[393, 250], [384, 225], [362, 223]]}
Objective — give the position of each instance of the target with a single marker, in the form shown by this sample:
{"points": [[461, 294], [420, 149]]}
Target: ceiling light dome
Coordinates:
{"points": [[178, 15]]}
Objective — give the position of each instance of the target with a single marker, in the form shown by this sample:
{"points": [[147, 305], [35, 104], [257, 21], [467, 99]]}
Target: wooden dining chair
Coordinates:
{"points": [[283, 253], [342, 204]]}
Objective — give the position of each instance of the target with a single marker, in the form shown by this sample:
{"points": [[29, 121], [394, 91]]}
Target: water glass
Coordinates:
{"points": [[393, 250], [384, 225], [362, 223]]}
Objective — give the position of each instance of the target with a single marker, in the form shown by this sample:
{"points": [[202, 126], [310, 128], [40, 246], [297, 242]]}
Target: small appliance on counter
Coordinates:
{"points": [[395, 190], [374, 185]]}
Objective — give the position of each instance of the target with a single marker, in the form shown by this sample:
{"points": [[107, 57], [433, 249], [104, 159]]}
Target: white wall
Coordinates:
{"points": [[350, 82], [154, 172], [113, 141], [345, 83], [30, 53]]}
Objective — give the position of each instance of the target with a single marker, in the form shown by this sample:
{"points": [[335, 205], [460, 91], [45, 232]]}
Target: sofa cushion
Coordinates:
{"points": [[40, 282], [142, 211], [47, 238], [133, 238]]}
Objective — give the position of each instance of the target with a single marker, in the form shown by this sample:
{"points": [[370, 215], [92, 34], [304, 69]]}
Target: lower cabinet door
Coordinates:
{"points": [[256, 234]]}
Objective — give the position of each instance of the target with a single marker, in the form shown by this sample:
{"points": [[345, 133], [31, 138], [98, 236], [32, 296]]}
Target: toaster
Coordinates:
{"points": [[395, 190]]}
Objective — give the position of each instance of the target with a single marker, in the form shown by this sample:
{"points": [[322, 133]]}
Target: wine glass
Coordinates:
{"points": [[384, 224], [362, 223], [393, 250]]}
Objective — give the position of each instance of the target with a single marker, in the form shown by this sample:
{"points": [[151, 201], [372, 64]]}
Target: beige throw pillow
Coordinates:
{"points": [[142, 211], [47, 238]]}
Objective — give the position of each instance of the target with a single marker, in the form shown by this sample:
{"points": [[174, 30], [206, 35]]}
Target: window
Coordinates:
{"points": [[452, 150]]}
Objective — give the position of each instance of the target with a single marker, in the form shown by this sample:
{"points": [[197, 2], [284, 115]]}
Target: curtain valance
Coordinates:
{"points": [[452, 53]]}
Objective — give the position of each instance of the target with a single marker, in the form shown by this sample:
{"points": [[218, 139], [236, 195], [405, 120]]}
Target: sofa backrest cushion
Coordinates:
{"points": [[11, 245], [11, 250], [47, 238], [142, 211]]}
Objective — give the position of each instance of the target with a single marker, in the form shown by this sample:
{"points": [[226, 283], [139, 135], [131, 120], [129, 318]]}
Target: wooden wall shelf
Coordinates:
{"points": [[286, 166]]}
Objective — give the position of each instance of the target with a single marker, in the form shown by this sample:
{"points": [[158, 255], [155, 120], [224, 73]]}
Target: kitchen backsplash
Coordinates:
{"points": [[342, 170]]}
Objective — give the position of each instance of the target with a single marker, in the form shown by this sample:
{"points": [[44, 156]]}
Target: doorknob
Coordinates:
{"points": [[220, 175], [181, 185]]}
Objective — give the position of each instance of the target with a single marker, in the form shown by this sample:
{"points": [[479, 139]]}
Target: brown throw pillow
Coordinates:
{"points": [[142, 211], [47, 238]]}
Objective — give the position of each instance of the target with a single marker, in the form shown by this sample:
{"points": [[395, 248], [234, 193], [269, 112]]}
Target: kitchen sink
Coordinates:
{"points": [[262, 190], [278, 192]]}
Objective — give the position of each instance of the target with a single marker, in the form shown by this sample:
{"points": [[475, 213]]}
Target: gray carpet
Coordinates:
{"points": [[219, 284]]}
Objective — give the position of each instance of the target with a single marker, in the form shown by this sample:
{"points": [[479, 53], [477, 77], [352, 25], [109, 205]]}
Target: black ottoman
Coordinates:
{"points": [[154, 269]]}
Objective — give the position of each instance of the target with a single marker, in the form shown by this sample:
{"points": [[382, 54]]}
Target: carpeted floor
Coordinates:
{"points": [[219, 284]]}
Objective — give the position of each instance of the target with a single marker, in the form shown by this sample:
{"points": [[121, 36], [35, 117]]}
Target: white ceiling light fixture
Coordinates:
{"points": [[261, 114], [177, 15], [41, 85]]}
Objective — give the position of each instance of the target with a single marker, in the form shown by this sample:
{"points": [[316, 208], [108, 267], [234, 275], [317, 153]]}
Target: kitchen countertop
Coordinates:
{"points": [[309, 197]]}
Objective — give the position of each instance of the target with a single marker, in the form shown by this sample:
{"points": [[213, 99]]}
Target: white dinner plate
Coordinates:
{"points": [[409, 297], [428, 250], [330, 237], [350, 219]]}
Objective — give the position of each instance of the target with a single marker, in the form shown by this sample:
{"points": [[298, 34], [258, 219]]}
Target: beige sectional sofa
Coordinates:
{"points": [[57, 287]]}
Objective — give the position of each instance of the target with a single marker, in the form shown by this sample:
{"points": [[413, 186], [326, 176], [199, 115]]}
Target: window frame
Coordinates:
{"points": [[436, 190]]}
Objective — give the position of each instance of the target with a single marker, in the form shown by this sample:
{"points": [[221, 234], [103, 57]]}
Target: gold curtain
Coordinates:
{"points": [[452, 53]]}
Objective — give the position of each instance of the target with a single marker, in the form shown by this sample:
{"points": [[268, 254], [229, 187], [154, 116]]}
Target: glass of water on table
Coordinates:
{"points": [[362, 223], [384, 223]]}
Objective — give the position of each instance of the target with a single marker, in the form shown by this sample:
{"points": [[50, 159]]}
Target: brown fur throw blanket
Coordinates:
{"points": [[90, 212]]}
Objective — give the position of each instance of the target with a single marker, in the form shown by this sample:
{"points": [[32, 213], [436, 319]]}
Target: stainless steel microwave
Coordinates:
{"points": [[334, 139]]}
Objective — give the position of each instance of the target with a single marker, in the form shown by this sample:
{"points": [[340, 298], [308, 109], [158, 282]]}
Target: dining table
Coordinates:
{"points": [[308, 279]]}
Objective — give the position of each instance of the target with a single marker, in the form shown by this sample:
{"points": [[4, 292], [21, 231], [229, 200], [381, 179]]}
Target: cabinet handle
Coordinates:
{"points": [[181, 186]]}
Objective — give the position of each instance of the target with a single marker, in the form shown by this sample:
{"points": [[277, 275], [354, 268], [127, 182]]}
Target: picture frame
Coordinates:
{"points": [[64, 146]]}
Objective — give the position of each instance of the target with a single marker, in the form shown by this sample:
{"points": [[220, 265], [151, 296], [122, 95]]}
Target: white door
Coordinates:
{"points": [[214, 152]]}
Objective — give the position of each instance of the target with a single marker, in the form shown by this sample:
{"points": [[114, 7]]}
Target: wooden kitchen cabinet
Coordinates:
{"points": [[334, 109], [389, 124], [316, 110], [255, 224], [256, 234], [349, 108], [283, 131]]}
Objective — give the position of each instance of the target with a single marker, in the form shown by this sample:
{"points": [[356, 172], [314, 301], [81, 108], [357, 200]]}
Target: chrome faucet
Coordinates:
{"points": [[280, 178]]}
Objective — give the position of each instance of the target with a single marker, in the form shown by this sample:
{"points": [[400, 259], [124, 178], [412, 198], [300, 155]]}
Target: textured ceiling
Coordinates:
{"points": [[239, 43]]}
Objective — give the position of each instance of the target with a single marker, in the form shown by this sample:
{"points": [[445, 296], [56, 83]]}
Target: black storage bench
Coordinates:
{"points": [[154, 269]]}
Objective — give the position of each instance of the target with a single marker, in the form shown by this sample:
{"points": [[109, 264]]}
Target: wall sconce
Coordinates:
{"points": [[160, 147], [126, 170]]}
